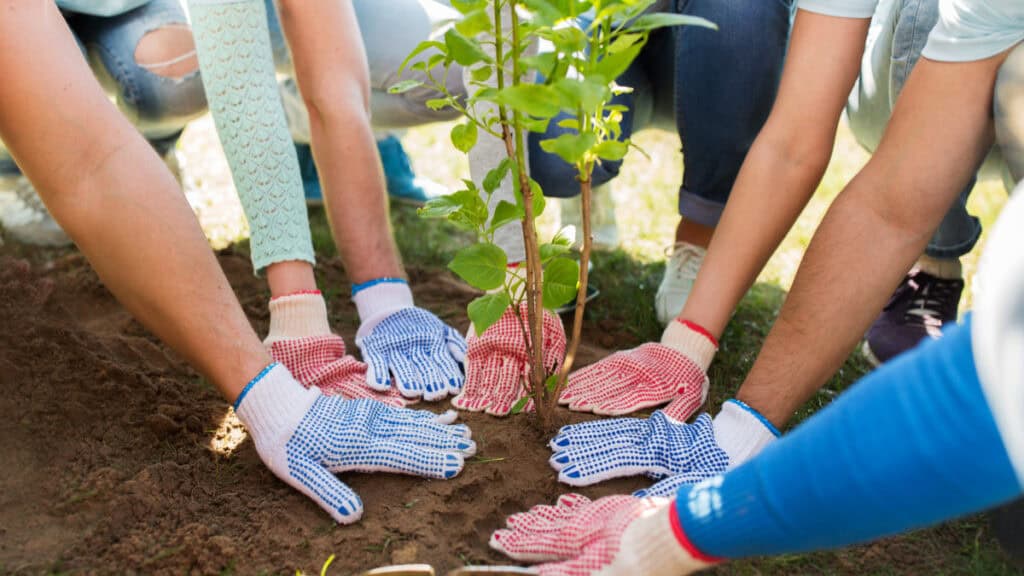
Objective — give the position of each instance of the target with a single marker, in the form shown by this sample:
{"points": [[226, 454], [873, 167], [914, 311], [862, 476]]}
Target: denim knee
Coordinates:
{"points": [[160, 95]]}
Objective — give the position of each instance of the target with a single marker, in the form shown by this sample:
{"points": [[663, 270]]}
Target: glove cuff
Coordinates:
{"points": [[378, 301], [654, 545], [272, 404], [297, 316], [742, 432], [691, 340]]}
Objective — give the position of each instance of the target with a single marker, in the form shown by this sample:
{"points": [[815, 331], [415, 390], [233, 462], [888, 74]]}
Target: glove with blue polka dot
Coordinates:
{"points": [[305, 438], [660, 446], [405, 345]]}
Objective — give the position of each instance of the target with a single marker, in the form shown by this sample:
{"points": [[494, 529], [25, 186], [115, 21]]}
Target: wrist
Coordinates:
{"points": [[655, 545], [297, 315], [272, 404], [378, 299], [691, 340], [742, 432]]}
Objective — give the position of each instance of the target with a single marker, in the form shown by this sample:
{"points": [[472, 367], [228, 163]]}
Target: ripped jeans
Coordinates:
{"points": [[158, 105]]}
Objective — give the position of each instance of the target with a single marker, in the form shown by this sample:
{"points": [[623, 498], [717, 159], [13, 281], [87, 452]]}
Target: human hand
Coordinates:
{"points": [[613, 536], [498, 363], [646, 376], [407, 346], [305, 437]]}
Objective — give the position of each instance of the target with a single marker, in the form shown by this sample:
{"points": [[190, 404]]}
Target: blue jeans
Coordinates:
{"points": [[899, 32], [717, 88], [386, 48], [158, 106]]}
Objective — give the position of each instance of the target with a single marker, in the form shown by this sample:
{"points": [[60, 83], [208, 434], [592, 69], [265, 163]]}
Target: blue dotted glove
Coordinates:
{"points": [[305, 438], [407, 346], [658, 446]]}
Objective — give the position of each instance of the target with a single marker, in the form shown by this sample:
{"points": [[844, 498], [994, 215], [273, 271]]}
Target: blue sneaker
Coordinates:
{"points": [[310, 177], [402, 184]]}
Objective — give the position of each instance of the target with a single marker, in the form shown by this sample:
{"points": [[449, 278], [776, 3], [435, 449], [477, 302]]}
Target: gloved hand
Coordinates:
{"points": [[498, 363], [405, 345], [646, 376], [305, 437], [613, 536], [660, 446], [301, 339]]}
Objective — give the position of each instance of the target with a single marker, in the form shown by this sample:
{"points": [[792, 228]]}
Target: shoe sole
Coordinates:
{"points": [[865, 349]]}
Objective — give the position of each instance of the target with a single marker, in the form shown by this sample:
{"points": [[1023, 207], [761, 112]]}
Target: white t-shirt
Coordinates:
{"points": [[967, 30]]}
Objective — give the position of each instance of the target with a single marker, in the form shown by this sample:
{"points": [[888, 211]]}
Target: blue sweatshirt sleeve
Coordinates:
{"points": [[912, 444]]}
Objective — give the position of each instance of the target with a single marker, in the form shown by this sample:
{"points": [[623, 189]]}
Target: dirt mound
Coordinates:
{"points": [[109, 464]]}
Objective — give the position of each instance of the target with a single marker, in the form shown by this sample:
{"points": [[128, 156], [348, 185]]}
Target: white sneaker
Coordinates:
{"points": [[680, 273], [24, 217]]}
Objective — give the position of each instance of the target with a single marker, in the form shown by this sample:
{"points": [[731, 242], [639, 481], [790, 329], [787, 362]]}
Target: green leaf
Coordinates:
{"points": [[475, 22], [467, 6], [404, 86], [570, 147], [543, 62], [537, 194], [536, 125], [532, 99], [664, 19], [587, 93], [464, 136], [520, 405], [623, 42], [497, 175], [544, 12], [551, 383], [438, 103], [614, 65], [611, 150], [561, 239], [570, 123], [464, 50], [487, 309], [549, 251], [561, 276], [442, 206], [566, 40], [482, 73], [504, 213], [481, 265], [419, 49]]}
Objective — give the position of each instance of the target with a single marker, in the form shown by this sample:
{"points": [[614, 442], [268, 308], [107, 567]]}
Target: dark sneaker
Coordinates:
{"points": [[919, 308]]}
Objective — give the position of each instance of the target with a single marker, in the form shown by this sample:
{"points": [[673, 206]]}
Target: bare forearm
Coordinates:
{"points": [[940, 130], [784, 165], [331, 71], [115, 198], [755, 221]]}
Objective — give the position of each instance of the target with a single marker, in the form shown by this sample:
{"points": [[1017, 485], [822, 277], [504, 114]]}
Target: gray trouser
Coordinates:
{"points": [[899, 32], [391, 29]]}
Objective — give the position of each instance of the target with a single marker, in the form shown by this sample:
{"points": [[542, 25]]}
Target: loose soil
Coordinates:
{"points": [[107, 465]]}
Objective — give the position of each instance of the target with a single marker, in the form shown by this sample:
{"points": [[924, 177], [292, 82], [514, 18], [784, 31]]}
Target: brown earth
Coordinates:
{"points": [[106, 464]]}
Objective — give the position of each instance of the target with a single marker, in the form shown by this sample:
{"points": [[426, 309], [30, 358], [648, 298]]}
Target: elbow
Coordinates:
{"points": [[798, 152], [337, 101]]}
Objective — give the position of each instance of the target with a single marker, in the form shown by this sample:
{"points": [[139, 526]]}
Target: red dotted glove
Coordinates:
{"points": [[301, 339], [497, 363], [613, 536], [646, 376], [321, 361]]}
